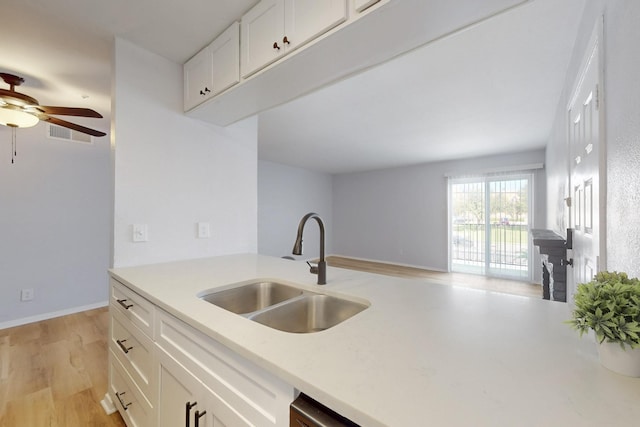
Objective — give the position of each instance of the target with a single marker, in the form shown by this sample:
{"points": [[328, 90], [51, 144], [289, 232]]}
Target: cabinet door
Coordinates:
{"points": [[177, 390], [262, 27], [183, 398], [198, 79], [363, 4], [307, 19], [225, 58]]}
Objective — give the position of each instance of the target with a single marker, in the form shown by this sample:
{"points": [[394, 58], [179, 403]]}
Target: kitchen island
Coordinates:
{"points": [[421, 354]]}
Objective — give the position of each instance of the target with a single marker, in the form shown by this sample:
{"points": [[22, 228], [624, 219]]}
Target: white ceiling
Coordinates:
{"points": [[493, 88]]}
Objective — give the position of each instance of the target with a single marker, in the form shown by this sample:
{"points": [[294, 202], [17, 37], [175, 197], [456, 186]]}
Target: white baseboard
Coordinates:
{"points": [[107, 404], [51, 315]]}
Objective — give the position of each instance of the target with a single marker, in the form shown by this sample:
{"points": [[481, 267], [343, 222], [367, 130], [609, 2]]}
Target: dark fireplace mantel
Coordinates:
{"points": [[553, 252]]}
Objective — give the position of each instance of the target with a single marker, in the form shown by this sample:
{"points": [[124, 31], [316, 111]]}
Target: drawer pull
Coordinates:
{"points": [[124, 347], [198, 416], [188, 417], [275, 45], [123, 302], [119, 396]]}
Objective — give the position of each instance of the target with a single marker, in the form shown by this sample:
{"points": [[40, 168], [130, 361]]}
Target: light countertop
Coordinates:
{"points": [[422, 354]]}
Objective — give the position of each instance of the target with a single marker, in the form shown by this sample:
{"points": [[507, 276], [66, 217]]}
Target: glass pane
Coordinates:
{"points": [[509, 235], [468, 227]]}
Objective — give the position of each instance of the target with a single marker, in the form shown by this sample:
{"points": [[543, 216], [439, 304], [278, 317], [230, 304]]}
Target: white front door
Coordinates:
{"points": [[586, 154]]}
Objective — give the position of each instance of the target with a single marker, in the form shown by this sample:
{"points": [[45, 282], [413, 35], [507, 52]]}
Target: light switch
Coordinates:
{"points": [[140, 233], [204, 230]]}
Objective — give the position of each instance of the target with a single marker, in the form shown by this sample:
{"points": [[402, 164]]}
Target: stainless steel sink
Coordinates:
{"points": [[284, 307], [310, 313], [251, 297]]}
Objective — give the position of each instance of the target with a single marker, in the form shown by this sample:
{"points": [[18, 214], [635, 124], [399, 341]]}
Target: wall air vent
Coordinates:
{"points": [[58, 132]]}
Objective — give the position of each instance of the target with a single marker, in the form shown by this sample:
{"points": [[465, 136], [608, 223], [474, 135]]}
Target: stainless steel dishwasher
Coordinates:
{"points": [[306, 412]]}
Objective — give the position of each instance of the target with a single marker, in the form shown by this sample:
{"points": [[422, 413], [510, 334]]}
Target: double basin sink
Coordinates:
{"points": [[284, 307]]}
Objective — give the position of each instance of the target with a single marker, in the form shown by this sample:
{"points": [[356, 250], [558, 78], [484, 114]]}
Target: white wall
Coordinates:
{"points": [[622, 110], [399, 215], [172, 171], [622, 85], [285, 195], [55, 215]]}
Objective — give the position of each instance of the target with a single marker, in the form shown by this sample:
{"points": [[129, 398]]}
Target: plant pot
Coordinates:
{"points": [[622, 361]]}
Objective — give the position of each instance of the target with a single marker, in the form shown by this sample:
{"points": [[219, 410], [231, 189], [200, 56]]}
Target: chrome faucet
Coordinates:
{"points": [[321, 268]]}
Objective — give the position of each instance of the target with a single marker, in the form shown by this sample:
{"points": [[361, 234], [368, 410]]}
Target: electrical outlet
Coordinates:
{"points": [[27, 294], [204, 230]]}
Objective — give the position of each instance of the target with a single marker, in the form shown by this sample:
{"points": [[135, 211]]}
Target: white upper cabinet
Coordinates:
{"points": [[262, 29], [307, 19], [225, 56], [214, 69], [275, 27], [197, 79]]}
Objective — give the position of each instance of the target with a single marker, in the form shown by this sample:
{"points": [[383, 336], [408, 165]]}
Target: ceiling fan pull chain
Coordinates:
{"points": [[14, 147]]}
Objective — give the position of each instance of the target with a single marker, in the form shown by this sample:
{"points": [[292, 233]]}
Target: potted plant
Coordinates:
{"points": [[610, 306]]}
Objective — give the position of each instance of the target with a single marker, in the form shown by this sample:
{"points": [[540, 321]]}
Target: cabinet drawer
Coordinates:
{"points": [[135, 308], [134, 408], [135, 351], [261, 398]]}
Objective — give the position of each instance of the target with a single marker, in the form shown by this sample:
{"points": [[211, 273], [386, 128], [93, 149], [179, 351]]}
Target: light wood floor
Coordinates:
{"points": [[455, 279], [54, 373]]}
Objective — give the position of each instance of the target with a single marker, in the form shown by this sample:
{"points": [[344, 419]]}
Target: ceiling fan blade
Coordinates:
{"points": [[70, 125], [67, 111]]}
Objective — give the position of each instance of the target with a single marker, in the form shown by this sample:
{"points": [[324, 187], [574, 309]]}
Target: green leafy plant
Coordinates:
{"points": [[610, 306]]}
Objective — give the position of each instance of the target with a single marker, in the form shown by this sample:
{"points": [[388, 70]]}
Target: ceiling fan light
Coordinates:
{"points": [[17, 118]]}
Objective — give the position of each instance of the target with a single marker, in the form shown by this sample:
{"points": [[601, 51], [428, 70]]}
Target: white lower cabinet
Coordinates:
{"points": [[237, 392], [186, 401], [135, 409], [135, 351], [172, 375]]}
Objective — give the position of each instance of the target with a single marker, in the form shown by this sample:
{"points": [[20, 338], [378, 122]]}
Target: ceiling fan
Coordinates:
{"points": [[18, 110]]}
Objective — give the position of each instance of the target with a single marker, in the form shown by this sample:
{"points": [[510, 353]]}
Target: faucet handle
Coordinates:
{"points": [[312, 268]]}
